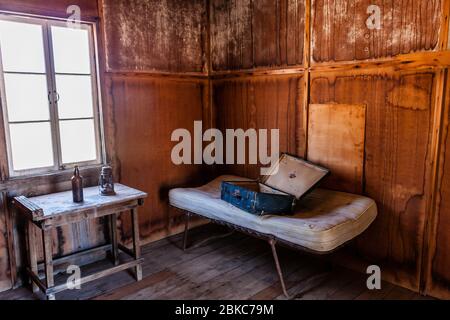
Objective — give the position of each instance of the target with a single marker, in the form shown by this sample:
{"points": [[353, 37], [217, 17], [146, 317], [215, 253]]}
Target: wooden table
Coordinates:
{"points": [[58, 209]]}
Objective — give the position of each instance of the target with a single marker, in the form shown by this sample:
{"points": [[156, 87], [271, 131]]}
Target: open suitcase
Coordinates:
{"points": [[276, 193]]}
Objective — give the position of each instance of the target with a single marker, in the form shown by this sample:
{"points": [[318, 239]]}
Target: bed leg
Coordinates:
{"points": [[186, 229], [273, 243]]}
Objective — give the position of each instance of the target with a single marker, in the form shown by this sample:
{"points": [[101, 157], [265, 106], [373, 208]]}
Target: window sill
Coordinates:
{"points": [[14, 183]]}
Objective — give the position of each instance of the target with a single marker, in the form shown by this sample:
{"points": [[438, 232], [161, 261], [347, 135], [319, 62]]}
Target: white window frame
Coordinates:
{"points": [[47, 23]]}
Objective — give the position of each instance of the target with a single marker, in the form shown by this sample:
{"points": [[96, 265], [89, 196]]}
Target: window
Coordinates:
{"points": [[49, 92]]}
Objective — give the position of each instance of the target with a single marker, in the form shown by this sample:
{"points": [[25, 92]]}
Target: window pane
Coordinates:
{"points": [[75, 96], [77, 141], [22, 47], [26, 97], [31, 145], [71, 50]]}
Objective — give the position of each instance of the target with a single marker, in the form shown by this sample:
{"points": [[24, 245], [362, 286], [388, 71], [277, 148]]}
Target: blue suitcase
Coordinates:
{"points": [[290, 180]]}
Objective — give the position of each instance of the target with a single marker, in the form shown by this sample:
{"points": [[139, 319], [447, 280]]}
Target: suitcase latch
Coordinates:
{"points": [[237, 194]]}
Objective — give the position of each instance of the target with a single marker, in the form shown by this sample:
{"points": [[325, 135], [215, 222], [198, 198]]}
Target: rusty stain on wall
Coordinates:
{"points": [[151, 35], [340, 32], [249, 34], [409, 96]]}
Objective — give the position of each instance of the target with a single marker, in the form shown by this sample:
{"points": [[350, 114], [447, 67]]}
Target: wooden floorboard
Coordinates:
{"points": [[235, 267], [204, 267]]}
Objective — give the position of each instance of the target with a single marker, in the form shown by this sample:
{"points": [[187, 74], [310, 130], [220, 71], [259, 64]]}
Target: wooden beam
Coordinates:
{"points": [[113, 237], [415, 61], [158, 74], [258, 72], [37, 282], [32, 251], [126, 250], [302, 138], [89, 214], [74, 258], [388, 72], [48, 257], [440, 129], [136, 242]]}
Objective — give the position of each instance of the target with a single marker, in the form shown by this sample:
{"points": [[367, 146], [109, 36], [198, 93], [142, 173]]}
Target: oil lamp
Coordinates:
{"points": [[106, 183]]}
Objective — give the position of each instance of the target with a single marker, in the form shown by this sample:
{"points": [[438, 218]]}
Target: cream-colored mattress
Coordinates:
{"points": [[325, 220]]}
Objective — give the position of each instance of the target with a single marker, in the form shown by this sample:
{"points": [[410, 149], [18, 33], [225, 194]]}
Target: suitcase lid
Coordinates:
{"points": [[295, 176]]}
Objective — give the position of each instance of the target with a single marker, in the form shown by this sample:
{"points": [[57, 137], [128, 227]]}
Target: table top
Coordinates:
{"points": [[55, 204]]}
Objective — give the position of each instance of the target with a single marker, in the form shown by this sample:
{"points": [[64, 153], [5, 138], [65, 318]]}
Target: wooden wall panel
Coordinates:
{"points": [[147, 110], [259, 103], [336, 134], [249, 34], [339, 31], [437, 272], [398, 128], [54, 8], [155, 35]]}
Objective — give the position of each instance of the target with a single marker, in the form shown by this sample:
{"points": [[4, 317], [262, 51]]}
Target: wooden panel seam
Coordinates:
{"points": [[411, 61], [302, 149]]}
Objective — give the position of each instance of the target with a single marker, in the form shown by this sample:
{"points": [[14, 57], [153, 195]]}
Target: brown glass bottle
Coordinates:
{"points": [[77, 186]]}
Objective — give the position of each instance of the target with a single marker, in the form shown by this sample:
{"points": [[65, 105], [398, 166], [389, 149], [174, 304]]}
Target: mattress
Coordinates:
{"points": [[324, 219]]}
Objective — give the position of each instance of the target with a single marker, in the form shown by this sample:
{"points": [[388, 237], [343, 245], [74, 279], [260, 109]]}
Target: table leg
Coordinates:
{"points": [[31, 238], [48, 260], [136, 242], [113, 235]]}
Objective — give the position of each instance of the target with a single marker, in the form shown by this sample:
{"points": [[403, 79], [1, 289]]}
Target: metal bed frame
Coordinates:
{"points": [[272, 240]]}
